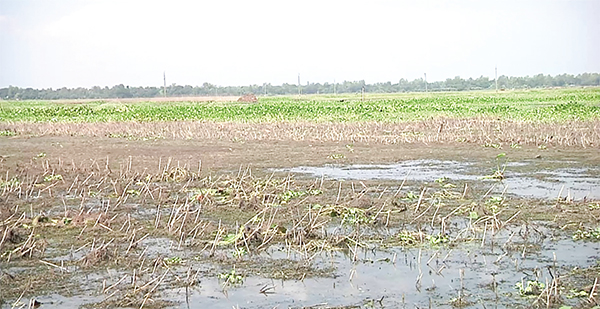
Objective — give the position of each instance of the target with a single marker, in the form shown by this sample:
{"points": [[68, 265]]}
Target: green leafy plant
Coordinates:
{"points": [[530, 288], [231, 278], [7, 133], [498, 173], [438, 239], [587, 234], [173, 260], [49, 178]]}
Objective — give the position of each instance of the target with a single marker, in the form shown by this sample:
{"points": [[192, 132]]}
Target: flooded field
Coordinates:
{"points": [[106, 222], [425, 233], [534, 178]]}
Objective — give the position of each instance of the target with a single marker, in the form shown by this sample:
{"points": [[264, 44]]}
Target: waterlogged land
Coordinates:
{"points": [[451, 200]]}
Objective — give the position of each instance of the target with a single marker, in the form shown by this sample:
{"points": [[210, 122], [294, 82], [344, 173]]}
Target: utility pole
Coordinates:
{"points": [[334, 90], [425, 82], [496, 77], [299, 86], [165, 84], [362, 94]]}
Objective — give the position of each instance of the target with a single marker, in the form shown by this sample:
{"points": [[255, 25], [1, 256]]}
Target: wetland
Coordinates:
{"points": [[446, 211]]}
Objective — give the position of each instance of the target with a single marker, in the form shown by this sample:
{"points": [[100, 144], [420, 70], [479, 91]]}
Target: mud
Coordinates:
{"points": [[222, 224]]}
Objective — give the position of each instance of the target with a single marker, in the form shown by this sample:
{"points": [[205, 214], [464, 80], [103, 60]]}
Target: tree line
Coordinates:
{"points": [[207, 89]]}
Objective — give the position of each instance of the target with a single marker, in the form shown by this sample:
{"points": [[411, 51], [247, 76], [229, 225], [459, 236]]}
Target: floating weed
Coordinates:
{"points": [[173, 261], [411, 196], [239, 252], [406, 238], [350, 215], [587, 234], [530, 288], [574, 293], [494, 204], [441, 180], [438, 239], [291, 194], [231, 278]]}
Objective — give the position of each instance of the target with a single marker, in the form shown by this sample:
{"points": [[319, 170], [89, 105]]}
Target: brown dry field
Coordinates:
{"points": [[227, 146]]}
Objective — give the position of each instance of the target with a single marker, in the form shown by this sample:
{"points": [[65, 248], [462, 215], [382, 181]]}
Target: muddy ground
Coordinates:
{"points": [[222, 223], [224, 155]]}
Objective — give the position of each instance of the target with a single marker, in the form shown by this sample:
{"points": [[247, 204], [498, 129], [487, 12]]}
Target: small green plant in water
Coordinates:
{"points": [[173, 260], [441, 180], [530, 288], [498, 173], [437, 239], [239, 252], [411, 196], [587, 235], [352, 216], [573, 293], [232, 238], [231, 278], [406, 238]]}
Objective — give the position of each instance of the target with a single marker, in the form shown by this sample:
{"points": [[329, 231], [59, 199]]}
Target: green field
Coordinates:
{"points": [[548, 105]]}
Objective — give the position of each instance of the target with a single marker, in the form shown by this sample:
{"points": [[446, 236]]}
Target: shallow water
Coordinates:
{"points": [[485, 273], [530, 179], [392, 277]]}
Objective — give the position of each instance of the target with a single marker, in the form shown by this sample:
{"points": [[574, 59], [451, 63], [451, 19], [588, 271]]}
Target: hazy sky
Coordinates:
{"points": [[68, 43]]}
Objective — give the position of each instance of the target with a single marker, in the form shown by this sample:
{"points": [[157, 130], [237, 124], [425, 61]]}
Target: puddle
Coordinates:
{"points": [[375, 276], [398, 277], [530, 179]]}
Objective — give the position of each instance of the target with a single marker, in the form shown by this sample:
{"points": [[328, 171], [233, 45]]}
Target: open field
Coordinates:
{"points": [[446, 200], [537, 106]]}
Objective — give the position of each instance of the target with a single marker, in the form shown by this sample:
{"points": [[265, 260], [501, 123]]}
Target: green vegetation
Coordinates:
{"points": [[531, 288], [538, 105], [207, 89]]}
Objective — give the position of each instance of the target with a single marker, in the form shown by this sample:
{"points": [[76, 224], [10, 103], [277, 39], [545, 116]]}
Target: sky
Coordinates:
{"points": [[85, 43]]}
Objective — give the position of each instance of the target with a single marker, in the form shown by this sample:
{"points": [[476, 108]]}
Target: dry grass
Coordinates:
{"points": [[439, 130]]}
